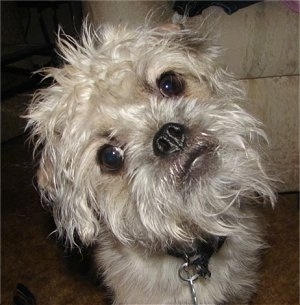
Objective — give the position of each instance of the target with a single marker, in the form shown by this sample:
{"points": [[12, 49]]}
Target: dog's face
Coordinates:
{"points": [[142, 138]]}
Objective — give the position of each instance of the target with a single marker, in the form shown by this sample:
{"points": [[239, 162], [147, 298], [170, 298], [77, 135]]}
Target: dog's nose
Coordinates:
{"points": [[169, 139]]}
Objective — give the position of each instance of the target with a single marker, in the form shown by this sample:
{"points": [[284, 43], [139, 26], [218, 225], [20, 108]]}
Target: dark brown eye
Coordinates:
{"points": [[110, 158], [170, 84]]}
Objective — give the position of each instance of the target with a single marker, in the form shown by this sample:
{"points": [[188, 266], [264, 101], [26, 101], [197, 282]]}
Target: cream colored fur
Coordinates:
{"points": [[106, 92]]}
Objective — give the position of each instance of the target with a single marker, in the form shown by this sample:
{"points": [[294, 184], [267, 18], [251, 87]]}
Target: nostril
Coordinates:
{"points": [[163, 145], [169, 139], [175, 131]]}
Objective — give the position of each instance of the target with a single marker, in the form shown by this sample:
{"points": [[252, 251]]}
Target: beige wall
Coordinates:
{"points": [[261, 44], [131, 12]]}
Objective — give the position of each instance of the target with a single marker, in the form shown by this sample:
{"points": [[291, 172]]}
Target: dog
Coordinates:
{"points": [[146, 154]]}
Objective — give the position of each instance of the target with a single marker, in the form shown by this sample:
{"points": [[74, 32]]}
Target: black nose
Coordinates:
{"points": [[169, 139]]}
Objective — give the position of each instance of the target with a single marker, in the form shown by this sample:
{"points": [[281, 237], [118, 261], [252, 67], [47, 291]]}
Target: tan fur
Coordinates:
{"points": [[107, 92]]}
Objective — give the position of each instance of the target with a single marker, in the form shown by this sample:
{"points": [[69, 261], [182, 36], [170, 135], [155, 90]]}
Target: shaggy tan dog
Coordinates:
{"points": [[147, 154]]}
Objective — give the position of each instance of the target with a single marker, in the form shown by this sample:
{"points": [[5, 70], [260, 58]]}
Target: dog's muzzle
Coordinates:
{"points": [[191, 150]]}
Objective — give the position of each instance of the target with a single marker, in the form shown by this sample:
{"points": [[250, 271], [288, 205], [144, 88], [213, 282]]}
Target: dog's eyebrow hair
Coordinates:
{"points": [[147, 86], [110, 138], [106, 134]]}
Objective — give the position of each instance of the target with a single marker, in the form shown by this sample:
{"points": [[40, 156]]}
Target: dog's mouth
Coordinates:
{"points": [[196, 160], [185, 152], [197, 157]]}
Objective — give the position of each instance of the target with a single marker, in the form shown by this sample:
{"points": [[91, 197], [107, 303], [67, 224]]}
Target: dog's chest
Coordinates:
{"points": [[140, 279]]}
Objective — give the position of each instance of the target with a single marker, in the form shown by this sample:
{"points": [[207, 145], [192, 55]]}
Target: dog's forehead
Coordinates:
{"points": [[119, 38], [147, 51], [118, 44]]}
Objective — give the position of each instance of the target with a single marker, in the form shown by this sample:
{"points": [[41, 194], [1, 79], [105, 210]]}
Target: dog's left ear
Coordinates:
{"points": [[198, 41]]}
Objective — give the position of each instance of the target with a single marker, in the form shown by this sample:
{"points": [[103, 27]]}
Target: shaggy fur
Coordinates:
{"points": [[107, 93]]}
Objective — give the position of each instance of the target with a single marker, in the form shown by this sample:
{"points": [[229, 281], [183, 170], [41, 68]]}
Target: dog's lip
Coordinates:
{"points": [[197, 158], [194, 157]]}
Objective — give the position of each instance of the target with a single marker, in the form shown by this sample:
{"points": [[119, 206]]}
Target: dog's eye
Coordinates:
{"points": [[110, 157], [170, 84]]}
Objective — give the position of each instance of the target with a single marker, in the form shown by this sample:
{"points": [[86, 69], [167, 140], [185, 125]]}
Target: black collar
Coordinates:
{"points": [[200, 255]]}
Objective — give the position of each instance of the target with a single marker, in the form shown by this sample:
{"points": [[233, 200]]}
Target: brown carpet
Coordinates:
{"points": [[34, 258]]}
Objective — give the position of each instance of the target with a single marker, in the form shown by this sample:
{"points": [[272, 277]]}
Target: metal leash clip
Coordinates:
{"points": [[196, 262], [187, 272]]}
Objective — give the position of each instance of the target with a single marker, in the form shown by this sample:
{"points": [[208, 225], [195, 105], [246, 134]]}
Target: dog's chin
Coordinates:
{"points": [[167, 246], [169, 242]]}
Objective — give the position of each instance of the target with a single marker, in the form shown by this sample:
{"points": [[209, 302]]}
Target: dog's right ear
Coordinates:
{"points": [[63, 140], [65, 174]]}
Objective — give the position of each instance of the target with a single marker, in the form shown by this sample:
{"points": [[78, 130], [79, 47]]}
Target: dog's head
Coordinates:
{"points": [[142, 136]]}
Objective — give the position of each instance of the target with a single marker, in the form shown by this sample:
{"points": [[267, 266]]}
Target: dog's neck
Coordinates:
{"points": [[201, 253]]}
